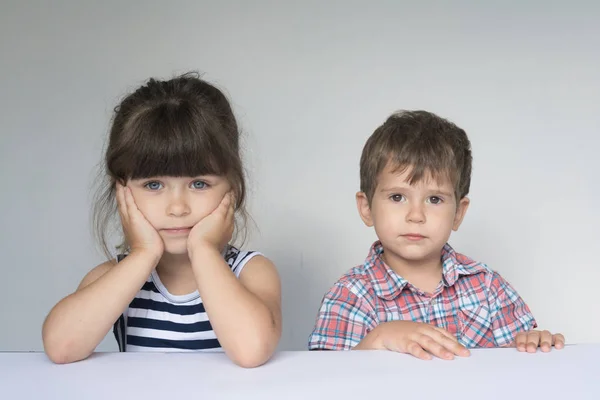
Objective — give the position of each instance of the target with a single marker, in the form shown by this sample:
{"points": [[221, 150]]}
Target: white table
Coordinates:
{"points": [[573, 373]]}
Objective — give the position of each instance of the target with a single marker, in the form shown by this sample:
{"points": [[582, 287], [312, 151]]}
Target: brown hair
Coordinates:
{"points": [[422, 142], [179, 127]]}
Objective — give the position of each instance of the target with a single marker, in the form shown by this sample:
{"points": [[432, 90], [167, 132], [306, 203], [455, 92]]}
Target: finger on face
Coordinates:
{"points": [[231, 209], [546, 341], [129, 201], [121, 205], [227, 199], [533, 341], [223, 206]]}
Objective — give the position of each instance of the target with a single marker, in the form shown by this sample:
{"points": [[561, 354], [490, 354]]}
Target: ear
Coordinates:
{"points": [[461, 211], [362, 203]]}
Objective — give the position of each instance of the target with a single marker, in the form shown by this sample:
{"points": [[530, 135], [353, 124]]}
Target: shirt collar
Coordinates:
{"points": [[388, 284]]}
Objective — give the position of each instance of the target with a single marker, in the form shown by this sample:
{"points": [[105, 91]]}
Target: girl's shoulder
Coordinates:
{"points": [[237, 258], [96, 273]]}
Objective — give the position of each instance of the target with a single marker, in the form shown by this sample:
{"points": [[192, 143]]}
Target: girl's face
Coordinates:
{"points": [[173, 205]]}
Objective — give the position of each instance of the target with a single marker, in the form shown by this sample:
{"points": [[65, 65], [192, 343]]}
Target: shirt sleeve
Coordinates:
{"points": [[344, 319], [510, 314]]}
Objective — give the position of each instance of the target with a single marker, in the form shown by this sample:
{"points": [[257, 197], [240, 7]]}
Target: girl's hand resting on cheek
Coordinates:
{"points": [[216, 229], [140, 234]]}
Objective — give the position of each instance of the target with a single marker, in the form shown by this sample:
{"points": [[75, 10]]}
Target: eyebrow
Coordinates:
{"points": [[394, 189]]}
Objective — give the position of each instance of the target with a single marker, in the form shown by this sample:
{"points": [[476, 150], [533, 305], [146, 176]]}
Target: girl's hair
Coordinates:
{"points": [[180, 127]]}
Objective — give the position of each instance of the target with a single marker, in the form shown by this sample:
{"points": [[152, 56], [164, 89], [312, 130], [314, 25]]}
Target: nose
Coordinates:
{"points": [[416, 213], [178, 205]]}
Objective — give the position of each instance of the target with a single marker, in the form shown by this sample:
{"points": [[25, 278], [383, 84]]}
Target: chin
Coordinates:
{"points": [[410, 254], [176, 252], [415, 257], [176, 248]]}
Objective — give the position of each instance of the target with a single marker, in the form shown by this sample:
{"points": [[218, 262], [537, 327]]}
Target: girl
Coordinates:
{"points": [[174, 173]]}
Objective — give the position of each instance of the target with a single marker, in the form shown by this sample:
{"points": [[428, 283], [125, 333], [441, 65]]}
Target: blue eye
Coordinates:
{"points": [[397, 198], [153, 185], [435, 200], [199, 184]]}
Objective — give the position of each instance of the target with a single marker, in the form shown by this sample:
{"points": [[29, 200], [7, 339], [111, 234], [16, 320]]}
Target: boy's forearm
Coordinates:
{"points": [[244, 325], [77, 324]]}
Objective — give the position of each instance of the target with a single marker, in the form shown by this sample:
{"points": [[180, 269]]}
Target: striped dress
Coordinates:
{"points": [[157, 320]]}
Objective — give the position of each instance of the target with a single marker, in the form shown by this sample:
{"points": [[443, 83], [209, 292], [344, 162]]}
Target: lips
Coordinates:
{"points": [[413, 236], [178, 230]]}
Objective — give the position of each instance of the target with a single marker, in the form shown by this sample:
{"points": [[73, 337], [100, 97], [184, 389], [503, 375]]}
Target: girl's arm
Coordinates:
{"points": [[77, 324], [245, 313]]}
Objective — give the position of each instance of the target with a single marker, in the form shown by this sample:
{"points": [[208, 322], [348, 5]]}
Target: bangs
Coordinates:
{"points": [[419, 173], [167, 140], [424, 160]]}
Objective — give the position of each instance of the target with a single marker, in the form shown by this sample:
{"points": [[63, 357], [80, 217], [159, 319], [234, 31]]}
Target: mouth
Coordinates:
{"points": [[178, 231], [413, 237]]}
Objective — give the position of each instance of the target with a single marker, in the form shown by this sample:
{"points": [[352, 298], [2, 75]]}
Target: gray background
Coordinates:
{"points": [[310, 81]]}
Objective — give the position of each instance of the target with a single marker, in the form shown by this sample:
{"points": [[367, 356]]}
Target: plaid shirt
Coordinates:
{"points": [[472, 302]]}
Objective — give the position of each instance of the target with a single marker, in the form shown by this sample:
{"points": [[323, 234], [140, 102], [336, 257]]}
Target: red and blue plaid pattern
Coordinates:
{"points": [[472, 302]]}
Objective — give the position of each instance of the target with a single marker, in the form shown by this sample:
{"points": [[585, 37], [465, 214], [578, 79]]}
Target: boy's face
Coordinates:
{"points": [[413, 222]]}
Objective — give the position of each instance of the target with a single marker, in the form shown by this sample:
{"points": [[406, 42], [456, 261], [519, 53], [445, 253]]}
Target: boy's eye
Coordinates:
{"points": [[435, 200], [199, 184], [397, 198], [153, 185]]}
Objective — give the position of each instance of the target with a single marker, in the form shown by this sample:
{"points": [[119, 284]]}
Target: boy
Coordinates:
{"points": [[414, 294]]}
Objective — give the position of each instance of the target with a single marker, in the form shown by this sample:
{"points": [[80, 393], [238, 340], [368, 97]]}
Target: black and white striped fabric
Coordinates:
{"points": [[158, 321]]}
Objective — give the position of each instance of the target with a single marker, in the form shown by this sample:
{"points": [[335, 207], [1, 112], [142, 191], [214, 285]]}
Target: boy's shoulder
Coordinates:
{"points": [[371, 278], [358, 279]]}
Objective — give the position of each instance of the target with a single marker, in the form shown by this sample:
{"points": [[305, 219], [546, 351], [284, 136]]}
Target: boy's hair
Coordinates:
{"points": [[179, 127], [424, 144]]}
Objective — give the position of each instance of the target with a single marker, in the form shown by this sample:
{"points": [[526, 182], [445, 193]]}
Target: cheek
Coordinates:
{"points": [[443, 218], [145, 204], [208, 202], [387, 217]]}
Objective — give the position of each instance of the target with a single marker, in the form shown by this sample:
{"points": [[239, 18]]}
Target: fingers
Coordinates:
{"points": [[435, 342], [533, 341], [421, 340], [227, 208], [450, 342], [445, 333], [521, 341], [528, 341], [131, 207], [558, 341], [230, 206], [224, 205], [545, 341], [230, 217], [435, 348], [417, 350], [121, 204], [411, 347]]}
